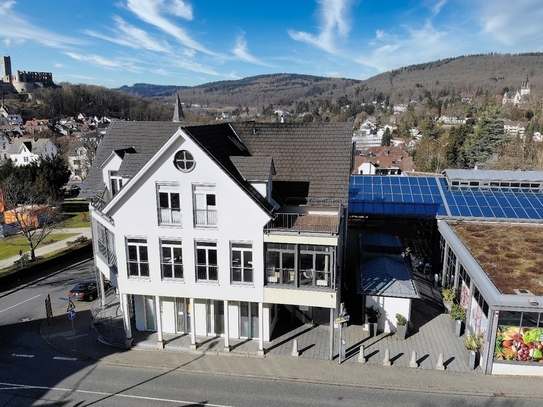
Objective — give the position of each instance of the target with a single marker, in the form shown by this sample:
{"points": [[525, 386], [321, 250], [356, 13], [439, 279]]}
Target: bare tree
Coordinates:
{"points": [[31, 210]]}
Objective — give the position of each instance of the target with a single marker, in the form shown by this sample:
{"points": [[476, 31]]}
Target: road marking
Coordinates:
{"points": [[22, 302], [101, 393], [63, 358], [21, 355]]}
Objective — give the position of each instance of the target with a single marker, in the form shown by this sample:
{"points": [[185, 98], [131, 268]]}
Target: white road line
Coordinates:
{"points": [[100, 393], [63, 358], [22, 302], [22, 355]]}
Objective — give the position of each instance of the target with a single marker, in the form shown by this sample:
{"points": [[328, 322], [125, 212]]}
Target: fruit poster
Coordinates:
{"points": [[519, 344]]}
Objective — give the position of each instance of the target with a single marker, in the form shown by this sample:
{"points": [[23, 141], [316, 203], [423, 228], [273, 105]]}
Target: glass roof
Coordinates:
{"points": [[432, 197]]}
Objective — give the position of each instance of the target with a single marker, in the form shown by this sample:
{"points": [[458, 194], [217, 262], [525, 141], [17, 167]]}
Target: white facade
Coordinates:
{"points": [[186, 249], [23, 152]]}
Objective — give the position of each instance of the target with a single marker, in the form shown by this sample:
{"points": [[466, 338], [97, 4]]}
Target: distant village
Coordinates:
{"points": [[24, 141]]}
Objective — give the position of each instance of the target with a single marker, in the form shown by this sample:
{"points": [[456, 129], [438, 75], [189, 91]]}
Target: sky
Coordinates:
{"points": [[187, 43]]}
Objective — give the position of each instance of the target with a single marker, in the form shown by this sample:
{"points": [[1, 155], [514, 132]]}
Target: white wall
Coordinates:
{"points": [[389, 307]]}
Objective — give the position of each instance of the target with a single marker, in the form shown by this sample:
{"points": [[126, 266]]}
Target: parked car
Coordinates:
{"points": [[87, 290]]}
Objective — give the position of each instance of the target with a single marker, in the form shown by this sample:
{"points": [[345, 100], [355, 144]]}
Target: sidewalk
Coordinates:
{"points": [[278, 363], [51, 247]]}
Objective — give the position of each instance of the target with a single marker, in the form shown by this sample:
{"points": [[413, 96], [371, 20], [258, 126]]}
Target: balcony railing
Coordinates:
{"points": [[303, 223], [205, 217], [169, 216]]}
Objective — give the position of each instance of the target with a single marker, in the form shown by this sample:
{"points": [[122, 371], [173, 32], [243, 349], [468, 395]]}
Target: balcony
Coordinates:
{"points": [[305, 278], [205, 217], [302, 223]]}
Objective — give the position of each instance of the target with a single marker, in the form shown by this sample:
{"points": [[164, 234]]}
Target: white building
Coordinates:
{"points": [[24, 151], [207, 230]]}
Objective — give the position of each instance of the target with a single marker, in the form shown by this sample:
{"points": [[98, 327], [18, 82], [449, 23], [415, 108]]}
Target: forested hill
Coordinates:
{"points": [[470, 75]]}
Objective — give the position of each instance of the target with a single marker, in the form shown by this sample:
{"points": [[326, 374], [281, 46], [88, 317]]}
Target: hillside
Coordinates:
{"points": [[492, 73]]}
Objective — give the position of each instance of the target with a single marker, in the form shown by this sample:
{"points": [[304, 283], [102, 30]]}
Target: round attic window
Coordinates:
{"points": [[184, 161]]}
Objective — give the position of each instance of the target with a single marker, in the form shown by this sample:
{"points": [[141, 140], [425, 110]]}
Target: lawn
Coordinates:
{"points": [[10, 246]]}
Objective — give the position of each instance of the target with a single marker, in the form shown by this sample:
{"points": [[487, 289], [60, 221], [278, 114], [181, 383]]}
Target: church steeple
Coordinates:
{"points": [[178, 115]]}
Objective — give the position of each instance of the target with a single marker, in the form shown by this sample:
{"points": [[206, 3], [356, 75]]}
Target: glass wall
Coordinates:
{"points": [[519, 337]]}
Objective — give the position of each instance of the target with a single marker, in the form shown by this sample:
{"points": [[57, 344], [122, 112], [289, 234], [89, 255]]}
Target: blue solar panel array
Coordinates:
{"points": [[432, 197]]}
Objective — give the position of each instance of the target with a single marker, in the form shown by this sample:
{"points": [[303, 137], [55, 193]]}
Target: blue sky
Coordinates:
{"points": [[177, 42]]}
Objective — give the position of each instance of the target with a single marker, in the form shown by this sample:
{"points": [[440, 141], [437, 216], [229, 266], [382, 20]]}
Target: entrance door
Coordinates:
{"points": [[150, 313], [219, 317], [182, 307], [248, 320], [168, 315]]}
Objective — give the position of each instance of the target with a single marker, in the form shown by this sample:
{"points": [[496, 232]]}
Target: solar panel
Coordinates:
{"points": [[433, 197]]}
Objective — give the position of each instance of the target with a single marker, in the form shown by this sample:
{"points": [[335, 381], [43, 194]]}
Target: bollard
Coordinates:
{"points": [[386, 360], [413, 362], [439, 365], [295, 348], [361, 356]]}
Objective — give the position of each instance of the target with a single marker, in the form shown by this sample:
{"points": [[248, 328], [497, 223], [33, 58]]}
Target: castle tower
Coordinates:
{"points": [[6, 69]]}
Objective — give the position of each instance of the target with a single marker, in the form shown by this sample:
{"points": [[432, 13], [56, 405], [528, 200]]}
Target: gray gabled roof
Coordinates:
{"points": [[254, 168], [310, 160], [35, 146]]}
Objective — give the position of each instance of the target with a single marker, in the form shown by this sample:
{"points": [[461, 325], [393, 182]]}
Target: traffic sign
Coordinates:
{"points": [[71, 314], [71, 306]]}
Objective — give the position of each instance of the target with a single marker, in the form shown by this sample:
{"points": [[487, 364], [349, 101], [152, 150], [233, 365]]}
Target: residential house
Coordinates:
{"points": [[23, 151], [5, 143], [514, 127], [383, 160], [208, 230], [80, 156]]}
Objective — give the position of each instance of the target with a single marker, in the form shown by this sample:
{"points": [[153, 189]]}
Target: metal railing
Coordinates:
{"points": [[303, 223]]}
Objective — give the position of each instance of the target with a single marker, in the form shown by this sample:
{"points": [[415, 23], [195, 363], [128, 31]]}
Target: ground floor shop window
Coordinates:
{"points": [[519, 337]]}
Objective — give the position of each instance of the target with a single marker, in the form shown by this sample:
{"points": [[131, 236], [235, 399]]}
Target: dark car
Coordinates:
{"points": [[87, 290]]}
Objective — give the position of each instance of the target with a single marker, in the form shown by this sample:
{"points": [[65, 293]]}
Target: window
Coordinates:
{"points": [[169, 205], [242, 263], [116, 183], [205, 206], [172, 259], [184, 161], [25, 159], [206, 261], [315, 265], [280, 267], [106, 241], [138, 258]]}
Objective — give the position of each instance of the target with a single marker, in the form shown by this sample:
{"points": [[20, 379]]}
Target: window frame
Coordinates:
{"points": [[141, 261], [176, 253], [168, 215], [206, 261], [245, 269], [205, 205]]}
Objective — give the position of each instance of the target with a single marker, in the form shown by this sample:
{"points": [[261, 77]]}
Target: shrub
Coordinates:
{"points": [[373, 314], [474, 341], [457, 312], [400, 319], [448, 293]]}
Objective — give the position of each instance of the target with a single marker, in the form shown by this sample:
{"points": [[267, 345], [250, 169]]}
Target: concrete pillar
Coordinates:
{"points": [[126, 320], [260, 329], [192, 325], [331, 333], [226, 327], [160, 337]]}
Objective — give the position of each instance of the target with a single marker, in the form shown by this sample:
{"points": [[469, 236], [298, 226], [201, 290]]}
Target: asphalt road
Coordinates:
{"points": [[32, 373]]}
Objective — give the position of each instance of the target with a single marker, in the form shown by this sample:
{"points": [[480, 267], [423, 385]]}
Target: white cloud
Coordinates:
{"points": [[511, 24], [242, 53], [181, 9], [104, 62], [129, 36], [149, 12], [334, 16], [18, 28]]}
